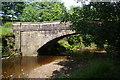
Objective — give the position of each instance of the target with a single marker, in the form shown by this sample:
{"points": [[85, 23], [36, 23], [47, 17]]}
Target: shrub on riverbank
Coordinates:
{"points": [[8, 45], [75, 44], [6, 29], [7, 38]]}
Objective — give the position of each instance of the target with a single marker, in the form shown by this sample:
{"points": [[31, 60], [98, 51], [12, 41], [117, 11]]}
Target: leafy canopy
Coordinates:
{"points": [[12, 10], [43, 11], [99, 20]]}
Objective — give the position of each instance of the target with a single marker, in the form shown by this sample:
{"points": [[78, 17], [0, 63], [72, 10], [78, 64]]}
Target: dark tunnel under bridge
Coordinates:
{"points": [[48, 48]]}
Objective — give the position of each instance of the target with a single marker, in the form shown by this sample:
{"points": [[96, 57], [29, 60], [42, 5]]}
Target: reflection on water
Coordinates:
{"points": [[14, 67]]}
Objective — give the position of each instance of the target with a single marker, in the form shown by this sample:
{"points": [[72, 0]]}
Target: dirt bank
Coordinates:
{"points": [[45, 71]]}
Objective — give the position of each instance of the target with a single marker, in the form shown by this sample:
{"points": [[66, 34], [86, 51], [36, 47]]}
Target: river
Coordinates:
{"points": [[20, 67], [44, 66]]}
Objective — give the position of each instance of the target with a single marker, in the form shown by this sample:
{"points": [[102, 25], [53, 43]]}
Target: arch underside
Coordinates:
{"points": [[47, 49]]}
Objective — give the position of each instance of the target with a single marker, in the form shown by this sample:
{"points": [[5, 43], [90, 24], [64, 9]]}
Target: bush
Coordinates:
{"points": [[7, 44], [6, 29]]}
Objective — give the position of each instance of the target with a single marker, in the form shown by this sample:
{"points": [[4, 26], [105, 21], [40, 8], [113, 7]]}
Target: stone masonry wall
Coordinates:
{"points": [[29, 37]]}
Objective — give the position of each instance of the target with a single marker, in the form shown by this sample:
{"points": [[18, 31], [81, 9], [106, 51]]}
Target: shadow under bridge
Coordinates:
{"points": [[50, 47]]}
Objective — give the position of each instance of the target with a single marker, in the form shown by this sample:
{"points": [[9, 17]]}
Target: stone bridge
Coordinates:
{"points": [[30, 36]]}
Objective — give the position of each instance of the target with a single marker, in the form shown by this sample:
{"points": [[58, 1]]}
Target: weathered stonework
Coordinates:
{"points": [[30, 36]]}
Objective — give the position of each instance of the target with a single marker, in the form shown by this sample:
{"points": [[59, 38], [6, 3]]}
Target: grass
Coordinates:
{"points": [[100, 68], [5, 29]]}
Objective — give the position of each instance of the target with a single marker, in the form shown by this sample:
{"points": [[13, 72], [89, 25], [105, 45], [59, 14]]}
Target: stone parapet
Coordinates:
{"points": [[39, 26]]}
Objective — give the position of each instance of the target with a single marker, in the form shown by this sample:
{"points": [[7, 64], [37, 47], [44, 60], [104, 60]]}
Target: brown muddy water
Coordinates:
{"points": [[17, 67]]}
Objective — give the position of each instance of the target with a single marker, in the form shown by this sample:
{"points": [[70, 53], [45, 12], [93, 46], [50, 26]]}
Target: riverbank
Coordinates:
{"points": [[30, 66], [65, 68], [46, 71], [90, 65], [73, 66], [79, 66]]}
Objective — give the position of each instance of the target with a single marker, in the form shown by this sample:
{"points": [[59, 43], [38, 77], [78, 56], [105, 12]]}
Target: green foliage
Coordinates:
{"points": [[100, 21], [7, 25], [12, 10], [74, 39], [43, 11], [77, 42], [64, 43], [0, 46], [8, 44], [6, 29]]}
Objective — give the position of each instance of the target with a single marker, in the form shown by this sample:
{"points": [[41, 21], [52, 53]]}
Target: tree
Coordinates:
{"points": [[67, 14], [12, 10], [43, 11], [99, 20]]}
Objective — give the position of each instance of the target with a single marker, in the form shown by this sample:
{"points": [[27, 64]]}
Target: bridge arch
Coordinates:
{"points": [[46, 49]]}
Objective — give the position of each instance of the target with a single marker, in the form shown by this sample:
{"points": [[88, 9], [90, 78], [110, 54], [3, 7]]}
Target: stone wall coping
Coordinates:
{"points": [[37, 23]]}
